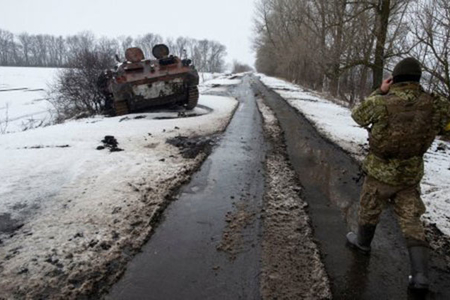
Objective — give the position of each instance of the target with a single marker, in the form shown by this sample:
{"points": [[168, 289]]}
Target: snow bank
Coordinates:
{"points": [[205, 76], [218, 85], [335, 123], [225, 80]]}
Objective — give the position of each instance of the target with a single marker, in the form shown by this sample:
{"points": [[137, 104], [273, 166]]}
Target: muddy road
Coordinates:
{"points": [[207, 247], [266, 217], [331, 185]]}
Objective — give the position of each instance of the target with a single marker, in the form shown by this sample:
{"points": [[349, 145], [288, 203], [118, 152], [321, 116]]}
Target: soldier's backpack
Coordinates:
{"points": [[410, 131]]}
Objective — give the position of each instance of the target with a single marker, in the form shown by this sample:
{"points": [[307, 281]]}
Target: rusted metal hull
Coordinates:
{"points": [[144, 94], [140, 85]]}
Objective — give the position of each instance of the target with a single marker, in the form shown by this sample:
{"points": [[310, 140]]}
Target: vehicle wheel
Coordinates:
{"points": [[121, 108], [192, 98]]}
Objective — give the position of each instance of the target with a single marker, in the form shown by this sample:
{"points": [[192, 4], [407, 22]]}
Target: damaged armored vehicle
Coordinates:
{"points": [[139, 83]]}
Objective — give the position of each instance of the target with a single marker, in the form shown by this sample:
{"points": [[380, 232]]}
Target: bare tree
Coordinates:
{"points": [[336, 46], [6, 46], [147, 42], [181, 45], [25, 43], [76, 92], [52, 51], [106, 45], [207, 56], [431, 38]]}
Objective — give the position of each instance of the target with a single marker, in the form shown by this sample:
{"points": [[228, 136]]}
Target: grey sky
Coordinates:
{"points": [[226, 21]]}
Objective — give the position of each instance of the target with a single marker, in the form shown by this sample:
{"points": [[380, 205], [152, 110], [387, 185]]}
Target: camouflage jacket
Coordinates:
{"points": [[372, 115]]}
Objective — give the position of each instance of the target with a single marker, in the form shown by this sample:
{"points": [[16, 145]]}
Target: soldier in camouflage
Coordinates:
{"points": [[403, 121]]}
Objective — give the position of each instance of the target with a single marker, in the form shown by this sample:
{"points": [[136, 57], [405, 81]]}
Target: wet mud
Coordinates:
{"points": [[191, 147], [329, 177], [291, 263], [237, 221], [8, 225]]}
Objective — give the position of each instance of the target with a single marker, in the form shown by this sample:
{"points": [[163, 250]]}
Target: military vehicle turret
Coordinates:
{"points": [[138, 83]]}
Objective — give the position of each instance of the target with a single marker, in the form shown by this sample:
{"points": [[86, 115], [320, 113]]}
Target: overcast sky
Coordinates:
{"points": [[226, 21]]}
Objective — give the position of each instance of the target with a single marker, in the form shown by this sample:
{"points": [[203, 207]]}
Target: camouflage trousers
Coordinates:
{"points": [[406, 201]]}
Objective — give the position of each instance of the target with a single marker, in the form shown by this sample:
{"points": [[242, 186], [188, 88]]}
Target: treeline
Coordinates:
{"points": [[347, 47], [43, 50], [238, 67]]}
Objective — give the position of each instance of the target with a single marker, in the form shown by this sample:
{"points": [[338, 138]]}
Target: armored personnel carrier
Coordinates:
{"points": [[139, 83]]}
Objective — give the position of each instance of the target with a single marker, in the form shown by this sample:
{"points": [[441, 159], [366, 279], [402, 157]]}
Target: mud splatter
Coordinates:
{"points": [[237, 221], [191, 147], [292, 267]]}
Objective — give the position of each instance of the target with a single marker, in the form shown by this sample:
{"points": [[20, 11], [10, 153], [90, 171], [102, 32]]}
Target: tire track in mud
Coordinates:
{"points": [[291, 263]]}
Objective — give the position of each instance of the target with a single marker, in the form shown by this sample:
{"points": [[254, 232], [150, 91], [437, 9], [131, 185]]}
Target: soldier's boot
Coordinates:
{"points": [[418, 280], [362, 239]]}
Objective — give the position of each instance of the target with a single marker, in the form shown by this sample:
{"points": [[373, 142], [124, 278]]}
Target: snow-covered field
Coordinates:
{"points": [[335, 122], [68, 210], [23, 103]]}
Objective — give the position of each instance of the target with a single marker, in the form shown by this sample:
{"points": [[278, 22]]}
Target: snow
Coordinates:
{"points": [[23, 103], [219, 83], [205, 76], [64, 195], [335, 123], [223, 81]]}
